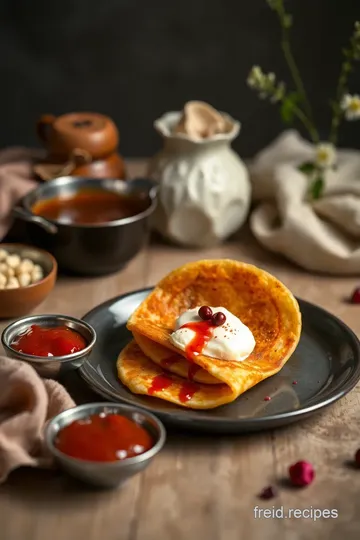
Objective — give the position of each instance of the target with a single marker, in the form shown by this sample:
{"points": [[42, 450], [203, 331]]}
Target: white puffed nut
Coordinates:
{"points": [[25, 266], [3, 254], [38, 268], [24, 279], [12, 283], [7, 271], [3, 280], [13, 260], [37, 273]]}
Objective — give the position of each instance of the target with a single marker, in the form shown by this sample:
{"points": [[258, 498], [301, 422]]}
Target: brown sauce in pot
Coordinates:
{"points": [[90, 207]]}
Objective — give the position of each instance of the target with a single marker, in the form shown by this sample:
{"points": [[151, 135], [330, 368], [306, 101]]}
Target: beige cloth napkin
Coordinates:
{"points": [[27, 402], [322, 236], [15, 181]]}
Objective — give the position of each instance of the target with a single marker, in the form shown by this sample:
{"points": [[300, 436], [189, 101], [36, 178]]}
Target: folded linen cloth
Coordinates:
{"points": [[27, 402], [321, 236], [16, 179]]}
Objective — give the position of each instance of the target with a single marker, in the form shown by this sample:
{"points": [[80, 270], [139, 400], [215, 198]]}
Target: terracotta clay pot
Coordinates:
{"points": [[79, 144]]}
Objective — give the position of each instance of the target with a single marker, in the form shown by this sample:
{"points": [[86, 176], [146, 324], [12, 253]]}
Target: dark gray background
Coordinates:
{"points": [[135, 59]]}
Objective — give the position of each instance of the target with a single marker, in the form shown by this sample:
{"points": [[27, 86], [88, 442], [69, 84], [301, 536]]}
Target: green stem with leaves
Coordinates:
{"points": [[351, 54], [286, 22], [306, 123]]}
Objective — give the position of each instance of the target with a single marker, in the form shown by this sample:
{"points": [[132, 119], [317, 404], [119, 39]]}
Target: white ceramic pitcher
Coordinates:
{"points": [[204, 192]]}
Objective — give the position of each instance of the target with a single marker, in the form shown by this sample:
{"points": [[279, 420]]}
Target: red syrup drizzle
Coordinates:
{"points": [[192, 370], [187, 391], [169, 361], [203, 332], [159, 383], [166, 363]]}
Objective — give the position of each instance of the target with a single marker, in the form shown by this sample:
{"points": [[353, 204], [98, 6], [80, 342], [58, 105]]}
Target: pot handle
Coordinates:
{"points": [[145, 185], [23, 214], [43, 125]]}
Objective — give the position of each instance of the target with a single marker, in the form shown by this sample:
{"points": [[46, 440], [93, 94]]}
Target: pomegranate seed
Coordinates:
{"points": [[357, 457], [205, 313], [267, 493], [355, 297], [218, 319], [301, 473], [267, 398]]}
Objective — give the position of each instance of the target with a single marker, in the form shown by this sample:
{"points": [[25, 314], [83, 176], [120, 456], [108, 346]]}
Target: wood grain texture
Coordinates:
{"points": [[200, 486]]}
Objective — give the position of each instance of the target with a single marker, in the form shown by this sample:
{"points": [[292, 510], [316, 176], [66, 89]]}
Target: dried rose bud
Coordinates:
{"points": [[267, 493], [301, 473], [205, 313], [218, 319], [355, 297], [357, 457]]}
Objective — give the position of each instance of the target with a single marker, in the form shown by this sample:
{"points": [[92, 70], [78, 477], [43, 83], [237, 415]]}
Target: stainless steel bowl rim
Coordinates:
{"points": [[120, 463], [25, 322], [100, 182]]}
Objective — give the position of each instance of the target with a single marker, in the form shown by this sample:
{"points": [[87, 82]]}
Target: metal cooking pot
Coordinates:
{"points": [[89, 249]]}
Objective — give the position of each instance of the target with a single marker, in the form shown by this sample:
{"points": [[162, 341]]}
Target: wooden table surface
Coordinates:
{"points": [[202, 487]]}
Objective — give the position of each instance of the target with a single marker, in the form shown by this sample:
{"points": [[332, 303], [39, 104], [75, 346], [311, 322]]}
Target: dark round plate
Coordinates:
{"points": [[324, 367]]}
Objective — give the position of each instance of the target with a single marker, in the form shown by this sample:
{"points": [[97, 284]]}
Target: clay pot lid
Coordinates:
{"points": [[87, 122], [91, 132]]}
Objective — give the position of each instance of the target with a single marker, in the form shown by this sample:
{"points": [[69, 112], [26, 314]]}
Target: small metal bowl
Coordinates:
{"points": [[54, 366], [109, 474]]}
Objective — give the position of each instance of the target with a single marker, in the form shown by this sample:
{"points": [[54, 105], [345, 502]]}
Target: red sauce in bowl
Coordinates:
{"points": [[103, 437], [43, 341]]}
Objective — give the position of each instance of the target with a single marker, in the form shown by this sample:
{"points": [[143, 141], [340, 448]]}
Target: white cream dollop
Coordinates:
{"points": [[231, 341]]}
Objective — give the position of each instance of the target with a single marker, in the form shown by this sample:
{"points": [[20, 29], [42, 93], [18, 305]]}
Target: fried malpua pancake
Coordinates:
{"points": [[142, 376], [260, 301], [173, 362]]}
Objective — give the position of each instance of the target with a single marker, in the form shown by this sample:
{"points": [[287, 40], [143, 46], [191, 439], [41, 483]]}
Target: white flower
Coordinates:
{"points": [[256, 77], [351, 106], [266, 84], [325, 155], [357, 29]]}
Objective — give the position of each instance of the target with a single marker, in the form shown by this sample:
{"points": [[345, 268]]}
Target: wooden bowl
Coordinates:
{"points": [[21, 301]]}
